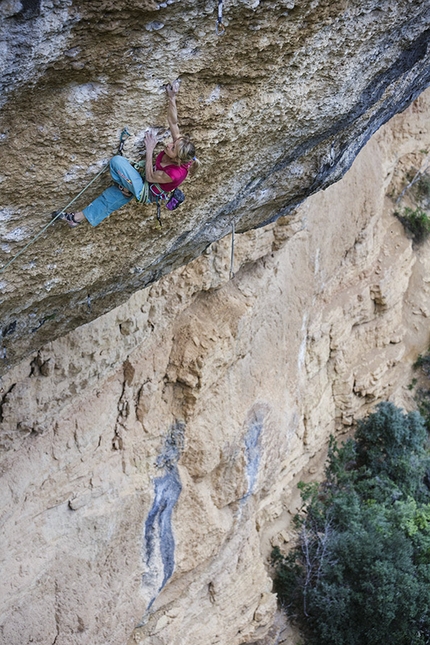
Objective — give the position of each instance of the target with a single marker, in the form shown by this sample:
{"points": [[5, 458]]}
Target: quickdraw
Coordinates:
{"points": [[159, 212], [122, 139], [219, 27], [233, 231]]}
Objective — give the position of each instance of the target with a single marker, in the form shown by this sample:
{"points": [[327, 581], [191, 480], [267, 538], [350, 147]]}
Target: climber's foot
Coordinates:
{"points": [[68, 218]]}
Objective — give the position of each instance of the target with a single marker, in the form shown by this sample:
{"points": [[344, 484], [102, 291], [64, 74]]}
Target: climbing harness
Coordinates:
{"points": [[219, 27], [122, 139], [231, 274], [148, 194], [153, 193]]}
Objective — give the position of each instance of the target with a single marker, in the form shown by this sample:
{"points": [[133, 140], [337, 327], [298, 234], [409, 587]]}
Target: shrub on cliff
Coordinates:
{"points": [[360, 572], [422, 393], [417, 222]]}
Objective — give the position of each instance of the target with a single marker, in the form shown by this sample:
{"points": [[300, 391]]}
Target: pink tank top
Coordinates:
{"points": [[176, 173]]}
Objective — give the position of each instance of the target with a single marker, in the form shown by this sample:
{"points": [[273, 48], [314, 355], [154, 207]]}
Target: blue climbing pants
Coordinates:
{"points": [[112, 198]]}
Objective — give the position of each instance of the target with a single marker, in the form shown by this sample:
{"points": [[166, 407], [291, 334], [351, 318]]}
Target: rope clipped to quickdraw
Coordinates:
{"points": [[123, 137], [233, 227], [219, 27]]}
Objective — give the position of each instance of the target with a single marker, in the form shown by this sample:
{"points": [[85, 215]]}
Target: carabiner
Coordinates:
{"points": [[219, 28]]}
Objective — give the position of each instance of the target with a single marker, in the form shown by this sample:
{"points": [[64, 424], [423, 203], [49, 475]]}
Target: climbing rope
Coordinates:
{"points": [[416, 177], [123, 137], [36, 237], [219, 27], [231, 275]]}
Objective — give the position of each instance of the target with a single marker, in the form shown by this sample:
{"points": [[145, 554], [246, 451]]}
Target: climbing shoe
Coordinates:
{"points": [[69, 218]]}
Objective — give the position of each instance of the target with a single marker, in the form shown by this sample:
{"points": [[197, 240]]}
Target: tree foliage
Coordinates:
{"points": [[417, 222], [360, 573]]}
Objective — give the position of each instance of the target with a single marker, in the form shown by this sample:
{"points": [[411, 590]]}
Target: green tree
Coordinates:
{"points": [[360, 573]]}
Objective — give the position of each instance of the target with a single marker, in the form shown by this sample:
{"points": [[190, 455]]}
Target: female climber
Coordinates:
{"points": [[171, 168]]}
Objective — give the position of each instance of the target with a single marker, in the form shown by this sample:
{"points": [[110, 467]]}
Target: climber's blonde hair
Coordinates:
{"points": [[187, 153]]}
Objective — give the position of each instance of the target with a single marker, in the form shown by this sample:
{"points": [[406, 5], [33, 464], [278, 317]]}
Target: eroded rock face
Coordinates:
{"points": [[149, 458], [278, 107]]}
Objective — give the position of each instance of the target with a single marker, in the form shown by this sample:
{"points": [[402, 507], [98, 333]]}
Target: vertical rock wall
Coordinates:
{"points": [[149, 457]]}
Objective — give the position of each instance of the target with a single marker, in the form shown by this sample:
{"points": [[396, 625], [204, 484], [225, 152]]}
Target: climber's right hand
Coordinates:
{"points": [[150, 141], [172, 89]]}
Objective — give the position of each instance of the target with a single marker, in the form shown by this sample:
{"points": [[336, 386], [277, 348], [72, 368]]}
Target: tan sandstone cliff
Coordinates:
{"points": [[154, 414], [149, 457]]}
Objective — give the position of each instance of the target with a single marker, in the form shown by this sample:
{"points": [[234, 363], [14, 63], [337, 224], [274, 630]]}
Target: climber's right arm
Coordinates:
{"points": [[172, 114]]}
